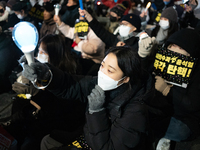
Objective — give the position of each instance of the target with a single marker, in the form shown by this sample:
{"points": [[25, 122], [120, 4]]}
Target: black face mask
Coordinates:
{"points": [[1, 11], [113, 19]]}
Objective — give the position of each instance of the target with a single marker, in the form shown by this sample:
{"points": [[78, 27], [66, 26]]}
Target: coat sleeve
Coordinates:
{"points": [[92, 45], [108, 38], [187, 100], [66, 86], [5, 16], [66, 30], [123, 133]]}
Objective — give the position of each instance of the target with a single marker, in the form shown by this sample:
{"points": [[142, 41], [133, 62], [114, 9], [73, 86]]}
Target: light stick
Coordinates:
{"points": [[25, 36], [57, 8], [81, 5], [148, 5]]}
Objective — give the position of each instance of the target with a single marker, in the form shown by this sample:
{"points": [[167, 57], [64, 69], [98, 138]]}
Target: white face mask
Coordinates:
{"points": [[107, 83], [164, 24], [20, 16], [124, 30], [42, 58]]}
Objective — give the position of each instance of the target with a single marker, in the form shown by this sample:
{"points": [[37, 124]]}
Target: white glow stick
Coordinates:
{"points": [[148, 5], [57, 9]]}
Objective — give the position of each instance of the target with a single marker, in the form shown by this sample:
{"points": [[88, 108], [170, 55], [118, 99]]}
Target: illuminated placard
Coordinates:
{"points": [[175, 68], [81, 28]]}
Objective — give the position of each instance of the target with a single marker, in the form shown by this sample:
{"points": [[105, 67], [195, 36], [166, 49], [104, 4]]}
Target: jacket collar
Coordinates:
{"points": [[49, 21], [132, 34], [117, 99], [122, 95]]}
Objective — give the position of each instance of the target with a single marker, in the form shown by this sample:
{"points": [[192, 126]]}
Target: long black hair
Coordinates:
{"points": [[59, 53]]}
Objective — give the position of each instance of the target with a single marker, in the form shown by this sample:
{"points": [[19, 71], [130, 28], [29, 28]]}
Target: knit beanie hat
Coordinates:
{"points": [[134, 20], [119, 9], [10, 3], [49, 6], [188, 39], [170, 13], [19, 6]]}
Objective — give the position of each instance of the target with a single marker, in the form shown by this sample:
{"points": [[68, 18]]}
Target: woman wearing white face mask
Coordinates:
{"points": [[53, 51], [116, 115], [167, 26]]}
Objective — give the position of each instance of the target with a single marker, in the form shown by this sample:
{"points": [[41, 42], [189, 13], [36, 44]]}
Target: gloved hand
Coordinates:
{"points": [[37, 71], [96, 100], [22, 59], [145, 46], [21, 88], [162, 86]]}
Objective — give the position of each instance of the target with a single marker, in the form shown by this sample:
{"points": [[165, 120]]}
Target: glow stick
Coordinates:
{"points": [[81, 5], [148, 5], [57, 8]]}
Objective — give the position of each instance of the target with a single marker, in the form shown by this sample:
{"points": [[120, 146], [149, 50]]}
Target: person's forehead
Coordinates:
{"points": [[163, 18], [17, 12], [113, 13], [111, 60], [124, 21]]}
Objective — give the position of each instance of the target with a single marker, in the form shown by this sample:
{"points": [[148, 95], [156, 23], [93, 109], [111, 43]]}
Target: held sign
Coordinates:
{"points": [[175, 68]]}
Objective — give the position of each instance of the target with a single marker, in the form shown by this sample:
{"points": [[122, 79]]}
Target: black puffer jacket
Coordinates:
{"points": [[123, 124]]}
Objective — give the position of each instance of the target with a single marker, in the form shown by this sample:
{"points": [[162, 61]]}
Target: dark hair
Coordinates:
{"points": [[129, 62], [137, 2], [59, 53], [3, 4], [173, 27]]}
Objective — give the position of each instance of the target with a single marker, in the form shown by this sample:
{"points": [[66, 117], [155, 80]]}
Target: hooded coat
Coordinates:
{"points": [[181, 103]]}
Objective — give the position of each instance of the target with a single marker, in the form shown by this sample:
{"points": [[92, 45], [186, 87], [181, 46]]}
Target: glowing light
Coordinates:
{"points": [[25, 35], [147, 6], [185, 1], [98, 3], [28, 48]]}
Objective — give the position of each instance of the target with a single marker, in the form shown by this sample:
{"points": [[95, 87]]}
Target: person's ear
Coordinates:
{"points": [[22, 11], [126, 79], [133, 29], [118, 17]]}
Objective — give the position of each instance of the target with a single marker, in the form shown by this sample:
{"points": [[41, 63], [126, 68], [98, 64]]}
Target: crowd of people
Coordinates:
{"points": [[130, 84]]}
